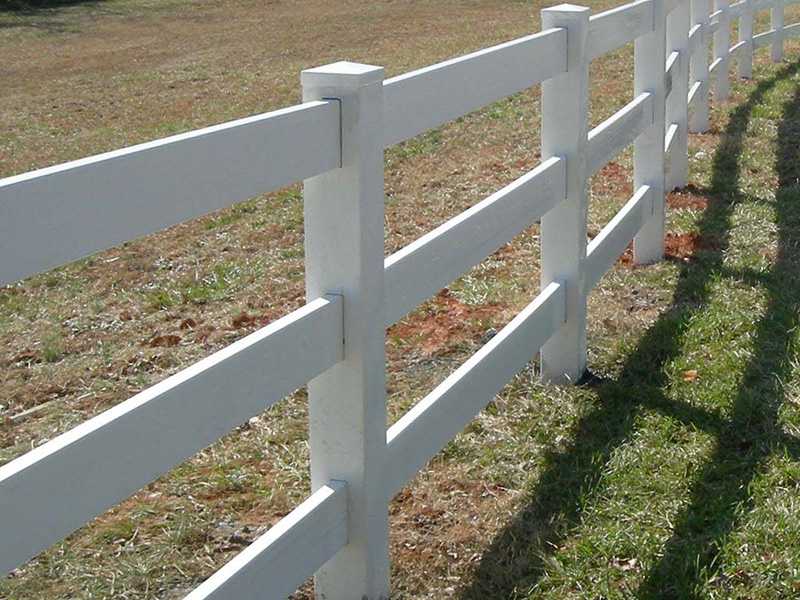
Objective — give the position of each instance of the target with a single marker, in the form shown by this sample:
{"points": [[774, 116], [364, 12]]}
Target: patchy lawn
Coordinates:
{"points": [[673, 474]]}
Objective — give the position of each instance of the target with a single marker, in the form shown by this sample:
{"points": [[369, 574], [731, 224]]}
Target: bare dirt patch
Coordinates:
{"points": [[691, 197], [684, 246], [447, 325]]}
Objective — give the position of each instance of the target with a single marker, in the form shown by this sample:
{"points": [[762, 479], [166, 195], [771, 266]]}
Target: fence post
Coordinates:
{"points": [[776, 20], [699, 122], [722, 44], [565, 127], [648, 149], [677, 104], [344, 255], [746, 36]]}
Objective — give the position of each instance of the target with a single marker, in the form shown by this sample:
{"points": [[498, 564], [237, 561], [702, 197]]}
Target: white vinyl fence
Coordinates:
{"points": [[334, 141]]}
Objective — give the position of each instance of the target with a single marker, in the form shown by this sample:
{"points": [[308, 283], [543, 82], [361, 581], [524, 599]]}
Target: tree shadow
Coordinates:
{"points": [[33, 7], [515, 561]]}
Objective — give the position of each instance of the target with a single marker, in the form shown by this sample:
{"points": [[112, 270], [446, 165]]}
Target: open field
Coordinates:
{"points": [[673, 473]]}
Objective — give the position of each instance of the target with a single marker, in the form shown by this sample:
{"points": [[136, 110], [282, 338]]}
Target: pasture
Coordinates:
{"points": [[673, 472]]}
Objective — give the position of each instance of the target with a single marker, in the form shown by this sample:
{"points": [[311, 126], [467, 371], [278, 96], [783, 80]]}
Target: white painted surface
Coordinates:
{"points": [[277, 563], [763, 39], [425, 429], [736, 10], [344, 255], [776, 23], [677, 107], [43, 495], [695, 38], [420, 100], [56, 215], [615, 237], [722, 42], [648, 150], [745, 66], [791, 30], [698, 66], [425, 266], [61, 485], [736, 50], [616, 27], [669, 139], [614, 134], [565, 128], [671, 72], [694, 93]]}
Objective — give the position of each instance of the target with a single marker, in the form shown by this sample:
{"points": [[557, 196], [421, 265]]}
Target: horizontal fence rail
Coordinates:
{"points": [[436, 419], [276, 564], [43, 495], [333, 143], [420, 100], [616, 27], [56, 215], [425, 266], [614, 237], [617, 132]]}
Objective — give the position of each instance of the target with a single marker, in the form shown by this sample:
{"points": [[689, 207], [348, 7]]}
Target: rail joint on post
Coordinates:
{"points": [[565, 129], [344, 255], [648, 149]]}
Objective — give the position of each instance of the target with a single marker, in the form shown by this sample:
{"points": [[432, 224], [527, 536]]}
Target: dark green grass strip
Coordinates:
{"points": [[745, 437]]}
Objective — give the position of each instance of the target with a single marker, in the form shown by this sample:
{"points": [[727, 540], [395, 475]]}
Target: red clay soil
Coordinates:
{"points": [[683, 246], [680, 247], [449, 323], [691, 197]]}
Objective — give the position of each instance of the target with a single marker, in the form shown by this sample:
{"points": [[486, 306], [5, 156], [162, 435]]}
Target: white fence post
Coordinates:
{"points": [[699, 120], [648, 149], [777, 24], [677, 104], [344, 255], [746, 36], [565, 127], [722, 44]]}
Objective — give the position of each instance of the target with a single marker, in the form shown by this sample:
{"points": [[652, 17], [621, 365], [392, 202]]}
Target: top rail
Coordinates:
{"points": [[53, 216], [616, 27], [422, 99], [735, 10]]}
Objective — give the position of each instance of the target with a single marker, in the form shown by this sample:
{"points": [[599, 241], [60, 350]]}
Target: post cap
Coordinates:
{"points": [[568, 8], [342, 74]]}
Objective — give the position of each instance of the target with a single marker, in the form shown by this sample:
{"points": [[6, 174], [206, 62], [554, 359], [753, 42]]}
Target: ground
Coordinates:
{"points": [[673, 473]]}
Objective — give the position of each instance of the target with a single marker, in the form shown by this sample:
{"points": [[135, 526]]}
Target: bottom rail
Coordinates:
{"points": [[436, 419], [277, 563], [612, 240]]}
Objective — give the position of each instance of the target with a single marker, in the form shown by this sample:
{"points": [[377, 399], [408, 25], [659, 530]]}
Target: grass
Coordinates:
{"points": [[673, 474]]}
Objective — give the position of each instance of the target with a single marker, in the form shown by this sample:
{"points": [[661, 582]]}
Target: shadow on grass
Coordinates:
{"points": [[514, 563], [31, 7]]}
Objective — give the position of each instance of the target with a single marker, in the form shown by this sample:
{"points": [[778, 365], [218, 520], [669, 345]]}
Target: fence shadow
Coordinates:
{"points": [[745, 438]]}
